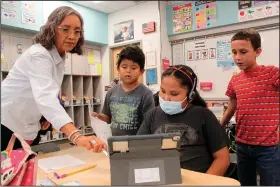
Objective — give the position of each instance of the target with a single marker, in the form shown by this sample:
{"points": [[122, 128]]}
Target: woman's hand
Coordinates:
{"points": [[86, 141]]}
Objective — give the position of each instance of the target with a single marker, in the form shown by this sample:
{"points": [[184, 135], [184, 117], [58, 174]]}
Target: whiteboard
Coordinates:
{"points": [[208, 71]]}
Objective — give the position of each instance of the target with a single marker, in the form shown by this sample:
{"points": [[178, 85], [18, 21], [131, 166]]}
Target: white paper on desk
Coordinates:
{"points": [[146, 175], [45, 182], [101, 128], [59, 162]]}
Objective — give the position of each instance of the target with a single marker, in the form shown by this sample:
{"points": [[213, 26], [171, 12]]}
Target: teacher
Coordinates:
{"points": [[32, 85]]}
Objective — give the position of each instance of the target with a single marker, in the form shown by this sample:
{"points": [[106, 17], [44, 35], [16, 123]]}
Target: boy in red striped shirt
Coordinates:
{"points": [[254, 95]]}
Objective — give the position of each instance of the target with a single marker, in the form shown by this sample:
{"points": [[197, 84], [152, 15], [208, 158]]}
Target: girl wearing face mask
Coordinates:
{"points": [[203, 142]]}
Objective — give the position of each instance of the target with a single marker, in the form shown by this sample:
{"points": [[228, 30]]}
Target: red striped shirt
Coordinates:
{"points": [[257, 114]]}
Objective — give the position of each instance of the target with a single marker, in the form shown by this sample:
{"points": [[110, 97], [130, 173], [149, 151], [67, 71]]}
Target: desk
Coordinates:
{"points": [[100, 175]]}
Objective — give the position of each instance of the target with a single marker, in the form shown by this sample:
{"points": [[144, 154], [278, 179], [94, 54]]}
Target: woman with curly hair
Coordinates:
{"points": [[32, 86]]}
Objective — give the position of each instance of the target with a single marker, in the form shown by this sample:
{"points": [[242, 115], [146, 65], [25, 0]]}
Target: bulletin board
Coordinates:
{"points": [[211, 59]]}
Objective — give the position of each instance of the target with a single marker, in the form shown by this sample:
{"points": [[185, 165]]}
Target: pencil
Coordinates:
{"points": [[77, 171]]}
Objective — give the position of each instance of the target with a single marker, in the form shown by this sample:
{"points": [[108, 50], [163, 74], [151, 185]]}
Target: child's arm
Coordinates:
{"points": [[221, 162], [102, 117], [232, 104], [105, 115], [217, 144]]}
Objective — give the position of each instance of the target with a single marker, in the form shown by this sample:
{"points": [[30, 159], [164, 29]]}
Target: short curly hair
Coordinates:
{"points": [[46, 36], [133, 53]]}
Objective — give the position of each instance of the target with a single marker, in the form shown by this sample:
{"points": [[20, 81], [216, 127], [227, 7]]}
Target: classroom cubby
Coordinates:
{"points": [[79, 117], [87, 89], [77, 90], [66, 90], [78, 84]]}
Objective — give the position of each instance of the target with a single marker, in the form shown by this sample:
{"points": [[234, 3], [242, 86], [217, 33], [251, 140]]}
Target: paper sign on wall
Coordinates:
{"points": [[151, 58], [261, 10], [205, 86], [205, 14], [3, 60], [19, 48], [224, 58], [7, 13], [99, 69], [165, 64], [28, 17], [182, 18], [90, 57]]}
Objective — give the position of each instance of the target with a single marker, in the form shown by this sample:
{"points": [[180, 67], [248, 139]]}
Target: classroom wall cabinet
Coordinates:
{"points": [[80, 87]]}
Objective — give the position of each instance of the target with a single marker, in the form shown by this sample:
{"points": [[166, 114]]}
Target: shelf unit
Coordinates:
{"points": [[80, 86]]}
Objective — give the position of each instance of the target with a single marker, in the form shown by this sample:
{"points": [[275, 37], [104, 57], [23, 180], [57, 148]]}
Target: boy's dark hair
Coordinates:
{"points": [[186, 81], [250, 35], [133, 53]]}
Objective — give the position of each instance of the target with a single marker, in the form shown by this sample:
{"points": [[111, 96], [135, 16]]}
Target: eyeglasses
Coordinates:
{"points": [[66, 31]]}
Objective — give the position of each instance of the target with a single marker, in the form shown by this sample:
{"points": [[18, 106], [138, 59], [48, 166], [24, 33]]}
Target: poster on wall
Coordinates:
{"points": [[28, 17], [224, 58], [212, 53], [182, 18], [197, 55], [151, 76], [244, 4], [204, 54], [7, 13], [259, 11], [190, 55], [261, 3], [28, 12], [165, 64], [205, 14], [124, 31]]}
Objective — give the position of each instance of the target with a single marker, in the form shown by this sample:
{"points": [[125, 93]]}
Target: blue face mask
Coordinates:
{"points": [[172, 107]]}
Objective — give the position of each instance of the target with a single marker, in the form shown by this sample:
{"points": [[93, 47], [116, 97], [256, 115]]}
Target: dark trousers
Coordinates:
{"points": [[266, 160], [6, 135]]}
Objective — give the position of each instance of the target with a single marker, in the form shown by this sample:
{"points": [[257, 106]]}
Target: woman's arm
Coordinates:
{"points": [[45, 91], [221, 162]]}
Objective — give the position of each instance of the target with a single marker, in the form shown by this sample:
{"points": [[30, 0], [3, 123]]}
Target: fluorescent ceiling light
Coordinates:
{"points": [[96, 1]]}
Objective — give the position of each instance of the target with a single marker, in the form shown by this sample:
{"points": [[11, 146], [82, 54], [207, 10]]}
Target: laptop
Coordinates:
{"points": [[145, 159]]}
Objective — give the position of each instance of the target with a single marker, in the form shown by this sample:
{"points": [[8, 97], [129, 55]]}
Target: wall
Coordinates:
{"points": [[141, 13], [95, 22], [165, 45]]}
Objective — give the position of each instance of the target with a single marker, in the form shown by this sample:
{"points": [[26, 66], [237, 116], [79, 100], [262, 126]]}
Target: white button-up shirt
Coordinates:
{"points": [[31, 90]]}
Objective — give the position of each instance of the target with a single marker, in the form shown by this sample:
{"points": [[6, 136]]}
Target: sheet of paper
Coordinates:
{"points": [[74, 183], [146, 175], [59, 162], [90, 57], [99, 69], [97, 56], [178, 54], [101, 128], [45, 182], [151, 58]]}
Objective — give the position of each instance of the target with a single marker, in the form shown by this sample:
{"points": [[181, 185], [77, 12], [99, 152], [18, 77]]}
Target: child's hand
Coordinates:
{"points": [[45, 125], [94, 114]]}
